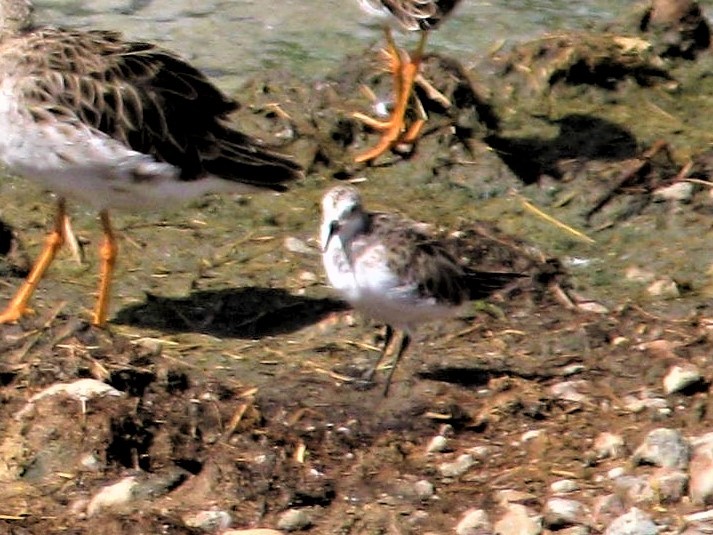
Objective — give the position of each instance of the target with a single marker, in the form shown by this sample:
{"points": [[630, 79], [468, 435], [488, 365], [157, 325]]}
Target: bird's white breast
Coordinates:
{"points": [[366, 282]]}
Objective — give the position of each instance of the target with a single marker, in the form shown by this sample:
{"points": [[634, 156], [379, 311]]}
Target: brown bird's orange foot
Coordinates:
{"points": [[18, 306], [107, 254], [394, 130]]}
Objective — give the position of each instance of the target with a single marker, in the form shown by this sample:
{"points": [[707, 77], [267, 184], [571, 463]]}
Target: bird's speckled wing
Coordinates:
{"points": [[420, 259], [142, 95], [419, 14]]}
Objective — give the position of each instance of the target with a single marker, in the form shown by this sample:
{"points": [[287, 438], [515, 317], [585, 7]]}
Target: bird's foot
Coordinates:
{"points": [[13, 313]]}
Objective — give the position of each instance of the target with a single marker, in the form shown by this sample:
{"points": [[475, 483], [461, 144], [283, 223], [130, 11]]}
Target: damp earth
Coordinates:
{"points": [[225, 393]]}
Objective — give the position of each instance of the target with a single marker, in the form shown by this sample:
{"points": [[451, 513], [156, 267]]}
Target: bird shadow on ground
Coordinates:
{"points": [[581, 138], [236, 313], [479, 376]]}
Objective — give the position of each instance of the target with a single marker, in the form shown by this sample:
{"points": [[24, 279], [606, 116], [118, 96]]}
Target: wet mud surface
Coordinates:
{"points": [[234, 369]]}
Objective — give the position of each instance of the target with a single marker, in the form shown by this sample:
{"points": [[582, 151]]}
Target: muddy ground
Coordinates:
{"points": [[234, 363]]}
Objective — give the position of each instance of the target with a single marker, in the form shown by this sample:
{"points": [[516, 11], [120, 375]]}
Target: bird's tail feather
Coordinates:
{"points": [[239, 157]]}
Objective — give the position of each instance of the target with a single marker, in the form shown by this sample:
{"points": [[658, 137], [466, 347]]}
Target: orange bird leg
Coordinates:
{"points": [[107, 253], [18, 305], [405, 72]]}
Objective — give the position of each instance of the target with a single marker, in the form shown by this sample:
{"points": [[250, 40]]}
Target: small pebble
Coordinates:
{"points": [[680, 377], [308, 276], [78, 507], [507, 496], [570, 391], [700, 516], [424, 489], [633, 487], [438, 444], [82, 390], [637, 274], [667, 485], [112, 495], [293, 520], [474, 522], [702, 441], [517, 521], [208, 520], [664, 447], [90, 462], [560, 513], [665, 288], [458, 467], [573, 369], [606, 508], [564, 486], [479, 452], [700, 486], [592, 306], [616, 472], [644, 401], [531, 435], [609, 446], [295, 245], [635, 522], [678, 191]]}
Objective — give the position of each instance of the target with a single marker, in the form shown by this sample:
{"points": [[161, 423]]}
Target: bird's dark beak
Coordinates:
{"points": [[333, 229]]}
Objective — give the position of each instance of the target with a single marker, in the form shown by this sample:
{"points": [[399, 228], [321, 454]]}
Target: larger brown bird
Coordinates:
{"points": [[411, 15], [116, 124]]}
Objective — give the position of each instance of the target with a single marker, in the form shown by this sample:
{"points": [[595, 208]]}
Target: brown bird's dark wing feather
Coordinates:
{"points": [[151, 100]]}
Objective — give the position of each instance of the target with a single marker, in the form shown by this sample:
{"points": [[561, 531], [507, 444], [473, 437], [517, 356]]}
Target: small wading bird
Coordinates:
{"points": [[411, 15], [392, 270], [116, 124]]}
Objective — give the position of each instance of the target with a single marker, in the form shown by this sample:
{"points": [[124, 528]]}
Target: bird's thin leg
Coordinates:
{"points": [[18, 305], [387, 340], [395, 61], [107, 252], [405, 342], [405, 72]]}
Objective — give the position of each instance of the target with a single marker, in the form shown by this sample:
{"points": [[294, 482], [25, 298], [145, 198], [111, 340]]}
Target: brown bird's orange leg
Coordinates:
{"points": [[18, 306], [394, 129], [107, 252]]}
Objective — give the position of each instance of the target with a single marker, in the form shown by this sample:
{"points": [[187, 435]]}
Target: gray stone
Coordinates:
{"points": [[678, 191], [667, 485], [570, 391], [560, 513], [458, 467], [700, 486], [208, 521], [518, 521], [635, 522], [438, 444], [293, 520], [680, 377], [112, 496], [424, 489], [664, 447], [564, 486], [609, 446], [474, 522], [606, 508]]}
